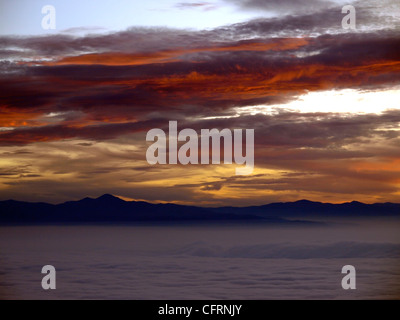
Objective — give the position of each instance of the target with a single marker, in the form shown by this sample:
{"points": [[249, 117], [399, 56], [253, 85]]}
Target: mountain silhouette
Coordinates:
{"points": [[111, 209]]}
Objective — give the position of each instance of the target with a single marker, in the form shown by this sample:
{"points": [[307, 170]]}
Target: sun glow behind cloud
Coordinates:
{"points": [[347, 101]]}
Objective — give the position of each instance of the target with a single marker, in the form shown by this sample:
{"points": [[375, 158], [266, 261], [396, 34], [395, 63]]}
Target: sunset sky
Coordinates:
{"points": [[76, 102]]}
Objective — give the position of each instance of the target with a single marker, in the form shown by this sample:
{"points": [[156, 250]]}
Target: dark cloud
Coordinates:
{"points": [[13, 171], [314, 18], [85, 144], [212, 80], [60, 132], [285, 129], [283, 6]]}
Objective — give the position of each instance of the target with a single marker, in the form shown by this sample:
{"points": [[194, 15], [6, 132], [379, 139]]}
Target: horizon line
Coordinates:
{"points": [[128, 200]]}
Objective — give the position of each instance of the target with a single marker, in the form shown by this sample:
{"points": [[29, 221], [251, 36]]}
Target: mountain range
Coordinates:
{"points": [[111, 209]]}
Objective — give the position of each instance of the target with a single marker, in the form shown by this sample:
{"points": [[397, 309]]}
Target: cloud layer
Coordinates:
{"points": [[237, 262]]}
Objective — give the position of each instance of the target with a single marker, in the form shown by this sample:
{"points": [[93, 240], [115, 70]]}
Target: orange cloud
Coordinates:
{"points": [[9, 118], [121, 59]]}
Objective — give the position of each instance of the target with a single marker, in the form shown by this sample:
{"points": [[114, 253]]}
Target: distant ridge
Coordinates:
{"points": [[306, 208], [111, 209]]}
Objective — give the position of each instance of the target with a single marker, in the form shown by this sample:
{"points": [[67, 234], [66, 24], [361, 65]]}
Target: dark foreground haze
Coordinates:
{"points": [[209, 261]]}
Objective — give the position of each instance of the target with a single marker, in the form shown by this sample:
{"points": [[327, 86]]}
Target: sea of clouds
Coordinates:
{"points": [[197, 263]]}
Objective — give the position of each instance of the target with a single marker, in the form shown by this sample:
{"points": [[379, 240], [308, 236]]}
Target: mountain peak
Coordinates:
{"points": [[108, 197], [304, 201], [355, 203]]}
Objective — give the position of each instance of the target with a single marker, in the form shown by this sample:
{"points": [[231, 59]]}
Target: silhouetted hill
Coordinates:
{"points": [[305, 208], [110, 209]]}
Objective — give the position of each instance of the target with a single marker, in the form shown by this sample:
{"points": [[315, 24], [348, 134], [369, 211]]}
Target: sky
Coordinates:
{"points": [[76, 102]]}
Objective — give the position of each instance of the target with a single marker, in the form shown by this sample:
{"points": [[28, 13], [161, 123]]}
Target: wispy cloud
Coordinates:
{"points": [[196, 5]]}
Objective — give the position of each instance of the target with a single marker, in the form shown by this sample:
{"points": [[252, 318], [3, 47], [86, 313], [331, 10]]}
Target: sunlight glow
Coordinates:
{"points": [[348, 101]]}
